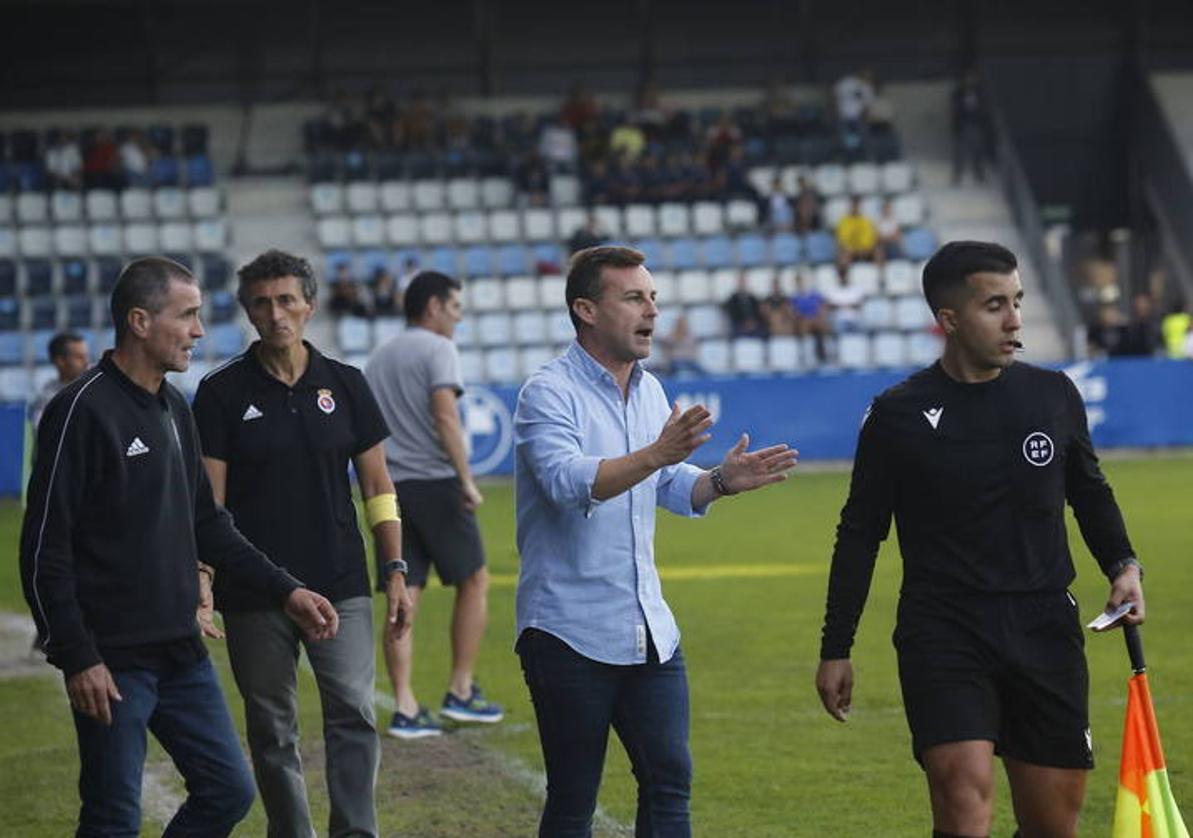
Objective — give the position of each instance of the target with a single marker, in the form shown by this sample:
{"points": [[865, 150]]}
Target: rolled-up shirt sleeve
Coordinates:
{"points": [[548, 440], [675, 490]]}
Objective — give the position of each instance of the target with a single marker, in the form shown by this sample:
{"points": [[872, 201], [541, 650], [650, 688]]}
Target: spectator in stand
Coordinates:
{"points": [[744, 312], [1175, 328], [101, 163], [579, 108], [1141, 337], [811, 313], [652, 179], [733, 181], [597, 185], [720, 140], [380, 111], [881, 112], [681, 349], [780, 211], [971, 121], [557, 146], [625, 186], [808, 216], [694, 182], [844, 302], [890, 235], [339, 120], [778, 314], [627, 141], [64, 161], [533, 180], [387, 299], [857, 237], [1105, 337], [345, 294], [420, 122], [853, 94], [135, 154], [649, 113], [587, 235]]}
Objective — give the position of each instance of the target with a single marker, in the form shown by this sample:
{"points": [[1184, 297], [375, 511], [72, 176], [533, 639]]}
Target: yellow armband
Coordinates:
{"points": [[381, 508]]}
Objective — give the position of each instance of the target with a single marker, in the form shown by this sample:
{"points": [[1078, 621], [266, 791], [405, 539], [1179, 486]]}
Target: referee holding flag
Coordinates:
{"points": [[975, 457]]}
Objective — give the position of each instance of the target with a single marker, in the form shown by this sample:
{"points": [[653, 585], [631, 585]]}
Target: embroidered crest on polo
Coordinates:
{"points": [[252, 413], [933, 415], [1038, 448], [326, 403], [136, 448]]}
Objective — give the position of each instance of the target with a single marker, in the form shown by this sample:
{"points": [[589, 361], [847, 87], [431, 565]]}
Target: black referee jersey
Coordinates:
{"points": [[976, 477]]}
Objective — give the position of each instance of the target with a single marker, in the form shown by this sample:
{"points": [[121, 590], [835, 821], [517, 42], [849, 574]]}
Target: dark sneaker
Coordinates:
{"points": [[419, 726], [476, 708]]}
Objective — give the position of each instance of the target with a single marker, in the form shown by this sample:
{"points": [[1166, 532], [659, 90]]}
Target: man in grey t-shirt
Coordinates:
{"points": [[416, 380]]}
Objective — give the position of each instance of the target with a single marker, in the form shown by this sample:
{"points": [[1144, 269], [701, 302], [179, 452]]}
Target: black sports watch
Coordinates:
{"points": [[394, 566]]}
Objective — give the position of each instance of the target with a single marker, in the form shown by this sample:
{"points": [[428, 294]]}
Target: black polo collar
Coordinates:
{"points": [[140, 395], [316, 376]]}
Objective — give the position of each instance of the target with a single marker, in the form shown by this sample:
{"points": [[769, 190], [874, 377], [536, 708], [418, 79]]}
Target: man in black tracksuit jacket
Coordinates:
{"points": [[119, 514], [974, 458]]}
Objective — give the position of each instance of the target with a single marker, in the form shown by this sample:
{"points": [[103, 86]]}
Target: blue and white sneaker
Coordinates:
{"points": [[419, 726], [476, 708]]}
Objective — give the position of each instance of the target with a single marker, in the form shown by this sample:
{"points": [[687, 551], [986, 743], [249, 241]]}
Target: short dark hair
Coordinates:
{"points": [[950, 266], [59, 343], [425, 286], [275, 264], [144, 283], [586, 267]]}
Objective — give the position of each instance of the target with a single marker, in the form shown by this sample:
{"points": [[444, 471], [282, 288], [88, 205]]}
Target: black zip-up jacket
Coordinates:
{"points": [[119, 513]]}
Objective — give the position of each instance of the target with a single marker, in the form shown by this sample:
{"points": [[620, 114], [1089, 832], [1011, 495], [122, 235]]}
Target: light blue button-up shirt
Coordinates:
{"points": [[588, 574]]}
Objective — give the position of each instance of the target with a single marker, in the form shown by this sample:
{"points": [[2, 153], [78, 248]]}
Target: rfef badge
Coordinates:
{"points": [[326, 403]]}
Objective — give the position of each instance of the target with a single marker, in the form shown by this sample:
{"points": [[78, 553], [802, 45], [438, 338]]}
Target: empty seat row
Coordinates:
{"points": [[107, 205], [206, 236], [194, 171], [432, 194], [71, 276], [834, 179]]}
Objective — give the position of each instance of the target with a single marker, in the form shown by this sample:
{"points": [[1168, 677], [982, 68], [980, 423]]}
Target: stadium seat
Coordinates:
{"points": [[864, 178], [897, 177], [820, 247], [442, 259], [752, 250], [501, 365], [176, 236], [221, 306], [706, 321], [783, 354], [919, 244], [199, 171], [853, 350], [708, 218], [16, 383], [835, 209], [203, 201], [361, 197], [66, 206], [497, 192], [35, 241], [105, 239], [7, 208], [694, 287], [657, 255], [169, 203], [386, 329], [478, 261], [548, 257], [530, 358], [354, 334], [521, 294], [786, 249], [429, 195], [912, 313], [890, 349], [70, 240], [41, 315], [741, 214], [749, 355], [8, 242], [898, 278], [136, 204], [107, 271], [484, 295], [463, 194], [639, 220], [472, 366], [33, 208], [211, 235], [529, 327], [877, 313], [569, 219], [866, 276], [512, 259], [327, 198], [724, 283], [552, 288], [435, 227], [666, 293], [762, 177], [610, 220], [216, 271], [334, 231], [494, 328], [685, 254], [470, 226], [77, 312], [908, 209], [402, 230], [225, 340], [76, 277], [505, 225], [396, 196], [673, 220], [101, 205], [717, 252], [559, 326], [825, 278], [830, 180], [760, 280], [39, 278], [538, 224], [565, 190], [12, 342], [923, 348], [714, 356]]}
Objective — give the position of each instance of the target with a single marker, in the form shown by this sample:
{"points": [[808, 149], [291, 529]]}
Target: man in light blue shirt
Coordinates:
{"points": [[598, 449]]}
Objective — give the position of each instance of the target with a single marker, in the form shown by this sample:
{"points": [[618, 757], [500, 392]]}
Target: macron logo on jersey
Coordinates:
{"points": [[933, 415], [136, 448], [252, 413]]}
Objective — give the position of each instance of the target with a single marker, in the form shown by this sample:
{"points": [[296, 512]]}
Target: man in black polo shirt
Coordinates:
{"points": [[120, 512], [280, 425], [975, 457]]}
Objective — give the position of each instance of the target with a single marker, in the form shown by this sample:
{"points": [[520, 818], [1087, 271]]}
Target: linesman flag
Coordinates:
{"points": [[1145, 807]]}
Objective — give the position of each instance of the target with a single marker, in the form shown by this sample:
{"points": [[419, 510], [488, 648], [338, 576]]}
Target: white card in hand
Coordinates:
{"points": [[1108, 618]]}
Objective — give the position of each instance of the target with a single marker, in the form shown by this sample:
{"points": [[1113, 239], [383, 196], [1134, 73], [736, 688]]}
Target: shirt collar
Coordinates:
{"points": [[593, 369], [316, 375], [140, 395]]}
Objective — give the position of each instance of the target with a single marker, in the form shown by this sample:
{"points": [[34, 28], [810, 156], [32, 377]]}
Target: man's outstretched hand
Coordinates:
{"points": [[744, 470]]}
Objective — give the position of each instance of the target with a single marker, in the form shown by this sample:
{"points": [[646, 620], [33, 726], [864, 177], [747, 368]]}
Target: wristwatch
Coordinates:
{"points": [[394, 566], [718, 482], [1122, 564]]}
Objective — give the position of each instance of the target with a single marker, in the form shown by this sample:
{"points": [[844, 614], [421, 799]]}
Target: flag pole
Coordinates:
{"points": [[1134, 648]]}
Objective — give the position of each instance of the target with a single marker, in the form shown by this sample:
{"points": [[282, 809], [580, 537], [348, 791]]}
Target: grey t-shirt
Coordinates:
{"points": [[402, 374]]}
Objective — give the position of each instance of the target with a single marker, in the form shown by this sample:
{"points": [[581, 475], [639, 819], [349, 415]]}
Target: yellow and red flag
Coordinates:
{"points": [[1145, 807]]}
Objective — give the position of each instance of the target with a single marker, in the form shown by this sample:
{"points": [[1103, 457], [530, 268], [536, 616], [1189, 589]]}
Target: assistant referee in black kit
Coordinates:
{"points": [[975, 457]]}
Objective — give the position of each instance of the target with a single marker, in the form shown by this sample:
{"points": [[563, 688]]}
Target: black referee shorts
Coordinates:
{"points": [[1008, 668], [437, 530]]}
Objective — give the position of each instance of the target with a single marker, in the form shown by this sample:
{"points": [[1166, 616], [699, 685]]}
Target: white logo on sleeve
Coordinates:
{"points": [[136, 448], [933, 415], [1038, 449], [252, 413]]}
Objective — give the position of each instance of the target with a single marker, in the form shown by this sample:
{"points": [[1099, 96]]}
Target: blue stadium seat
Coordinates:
{"points": [[656, 254], [39, 344], [356, 165], [199, 171], [332, 260], [216, 271], [43, 312], [165, 171], [194, 139], [30, 176], [442, 259], [39, 278], [373, 261], [820, 247], [786, 249], [78, 312], [74, 277], [478, 261], [8, 278], [548, 253], [751, 250], [221, 306], [12, 346], [685, 253], [225, 340], [718, 252], [107, 271], [161, 137], [10, 314], [512, 259], [919, 244]]}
